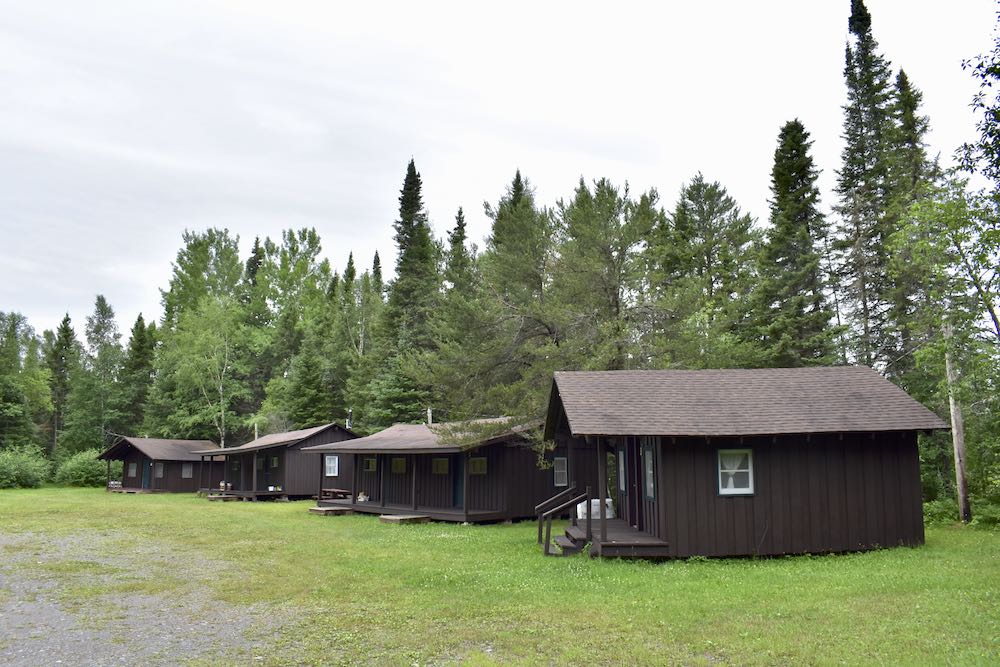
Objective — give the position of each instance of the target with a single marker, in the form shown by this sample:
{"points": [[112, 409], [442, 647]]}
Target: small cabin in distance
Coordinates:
{"points": [[272, 466], [747, 462], [152, 465], [444, 473]]}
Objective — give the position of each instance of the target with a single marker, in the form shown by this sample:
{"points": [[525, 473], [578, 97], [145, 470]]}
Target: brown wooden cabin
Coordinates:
{"points": [[152, 465], [274, 465], [747, 462], [419, 469]]}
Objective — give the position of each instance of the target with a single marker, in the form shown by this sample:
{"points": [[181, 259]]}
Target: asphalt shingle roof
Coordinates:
{"points": [[734, 402], [161, 449]]}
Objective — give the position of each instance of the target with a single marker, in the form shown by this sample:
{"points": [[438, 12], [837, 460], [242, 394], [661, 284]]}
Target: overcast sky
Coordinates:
{"points": [[124, 123]]}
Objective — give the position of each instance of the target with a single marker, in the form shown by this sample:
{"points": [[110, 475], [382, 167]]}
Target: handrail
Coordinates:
{"points": [[569, 503], [547, 544], [541, 507]]}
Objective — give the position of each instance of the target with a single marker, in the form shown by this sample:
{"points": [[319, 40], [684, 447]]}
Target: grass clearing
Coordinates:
{"points": [[361, 591]]}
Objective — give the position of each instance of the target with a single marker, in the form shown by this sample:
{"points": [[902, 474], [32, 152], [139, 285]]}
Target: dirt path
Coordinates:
{"points": [[103, 599]]}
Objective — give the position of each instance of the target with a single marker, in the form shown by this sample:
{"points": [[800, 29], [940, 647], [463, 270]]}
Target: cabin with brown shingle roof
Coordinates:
{"points": [[274, 465], [484, 470], [746, 462], [151, 465]]}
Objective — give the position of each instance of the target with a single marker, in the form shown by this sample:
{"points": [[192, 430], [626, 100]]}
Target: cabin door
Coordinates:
{"points": [[458, 480], [147, 467], [634, 506]]}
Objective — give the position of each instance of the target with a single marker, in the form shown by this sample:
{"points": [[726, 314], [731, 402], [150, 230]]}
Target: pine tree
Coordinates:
{"points": [[598, 278], [62, 355], [863, 187], [700, 281], [91, 411], [412, 294], [136, 377], [458, 261], [791, 319]]}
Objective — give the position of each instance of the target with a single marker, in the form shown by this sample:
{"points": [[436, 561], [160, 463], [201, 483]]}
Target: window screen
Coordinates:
{"points": [[371, 464], [398, 465], [158, 470], [648, 472], [735, 472], [621, 470], [439, 466], [187, 470], [332, 465], [132, 470], [560, 471], [477, 465]]}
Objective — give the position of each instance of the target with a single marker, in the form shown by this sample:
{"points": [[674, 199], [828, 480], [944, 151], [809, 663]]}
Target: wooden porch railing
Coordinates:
{"points": [[551, 513], [544, 506]]}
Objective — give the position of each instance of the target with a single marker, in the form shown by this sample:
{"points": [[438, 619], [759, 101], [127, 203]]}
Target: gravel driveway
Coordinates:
{"points": [[104, 599]]}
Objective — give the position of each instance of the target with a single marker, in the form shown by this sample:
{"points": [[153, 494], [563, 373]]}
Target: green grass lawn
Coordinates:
{"points": [[361, 591]]}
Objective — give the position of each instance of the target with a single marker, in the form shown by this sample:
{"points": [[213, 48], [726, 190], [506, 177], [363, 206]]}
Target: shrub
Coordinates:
{"points": [[84, 469], [940, 511], [22, 467], [985, 515]]}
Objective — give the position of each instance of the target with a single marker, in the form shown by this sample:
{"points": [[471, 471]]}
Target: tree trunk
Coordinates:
{"points": [[957, 432]]}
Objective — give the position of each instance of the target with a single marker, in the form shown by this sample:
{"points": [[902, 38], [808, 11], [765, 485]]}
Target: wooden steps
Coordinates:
{"points": [[567, 546], [400, 519], [221, 497], [331, 511]]}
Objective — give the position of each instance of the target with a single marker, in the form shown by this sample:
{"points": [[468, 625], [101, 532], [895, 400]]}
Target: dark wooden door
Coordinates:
{"points": [[633, 464]]}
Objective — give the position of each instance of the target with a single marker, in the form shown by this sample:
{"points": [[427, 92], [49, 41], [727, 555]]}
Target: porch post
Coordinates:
{"points": [[322, 476], [381, 477], [602, 486], [413, 474], [108, 485], [201, 472], [354, 478]]}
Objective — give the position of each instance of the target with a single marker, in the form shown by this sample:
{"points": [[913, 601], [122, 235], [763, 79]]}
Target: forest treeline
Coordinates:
{"points": [[900, 271]]}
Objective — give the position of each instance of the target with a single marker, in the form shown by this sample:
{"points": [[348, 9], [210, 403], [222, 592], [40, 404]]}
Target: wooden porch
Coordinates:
{"points": [[233, 494], [620, 541], [454, 514]]}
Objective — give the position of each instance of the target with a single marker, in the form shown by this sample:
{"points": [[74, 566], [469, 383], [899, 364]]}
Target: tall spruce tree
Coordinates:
{"points": [[136, 377], [395, 394], [62, 355], [791, 320], [863, 187], [413, 292]]}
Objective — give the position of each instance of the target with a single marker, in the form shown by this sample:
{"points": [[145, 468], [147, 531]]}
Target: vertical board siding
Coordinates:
{"points": [[827, 494]]}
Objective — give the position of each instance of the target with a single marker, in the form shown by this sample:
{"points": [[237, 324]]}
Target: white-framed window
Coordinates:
{"points": [[560, 471], [439, 466], [621, 471], [332, 463], [158, 470], [133, 469], [187, 470], [735, 472], [477, 465], [648, 471]]}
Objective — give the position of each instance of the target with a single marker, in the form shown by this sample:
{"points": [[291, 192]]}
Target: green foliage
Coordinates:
{"points": [[791, 322], [22, 467], [941, 512], [84, 469]]}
